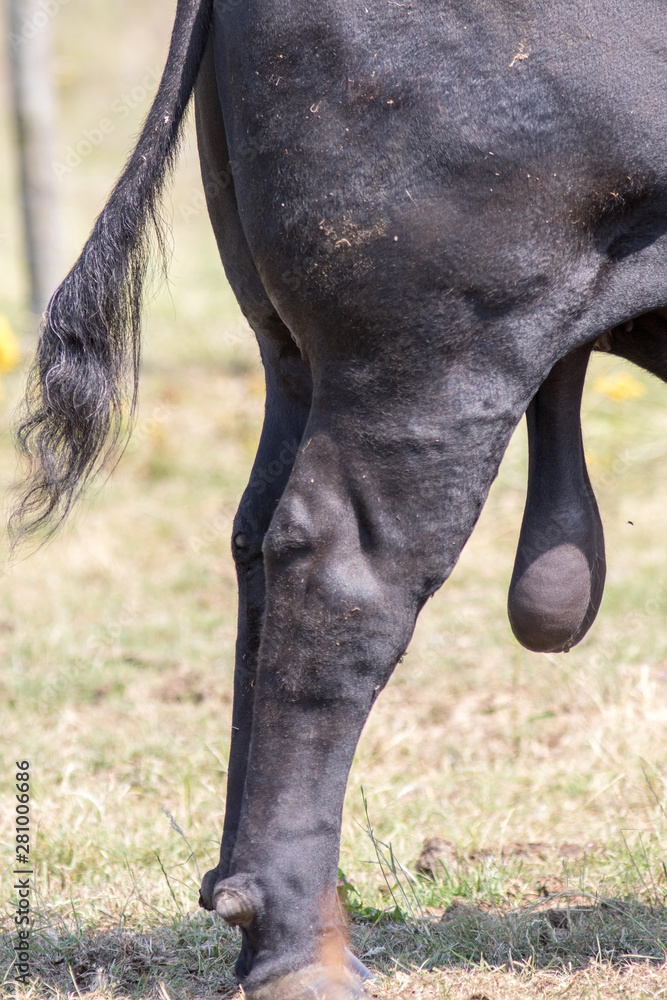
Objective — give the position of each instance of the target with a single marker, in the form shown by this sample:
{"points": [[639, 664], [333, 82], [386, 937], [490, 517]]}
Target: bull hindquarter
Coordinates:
{"points": [[429, 214], [477, 166], [425, 208]]}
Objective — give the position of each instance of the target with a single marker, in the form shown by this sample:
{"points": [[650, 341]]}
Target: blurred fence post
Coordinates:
{"points": [[30, 43]]}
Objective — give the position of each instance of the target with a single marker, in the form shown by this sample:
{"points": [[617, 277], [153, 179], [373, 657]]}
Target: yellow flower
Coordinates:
{"points": [[10, 352], [619, 387]]}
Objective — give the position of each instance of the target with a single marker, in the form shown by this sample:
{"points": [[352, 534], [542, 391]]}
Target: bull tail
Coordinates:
{"points": [[82, 387]]}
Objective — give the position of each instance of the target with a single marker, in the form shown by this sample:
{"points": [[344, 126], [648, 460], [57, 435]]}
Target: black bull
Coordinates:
{"points": [[430, 212]]}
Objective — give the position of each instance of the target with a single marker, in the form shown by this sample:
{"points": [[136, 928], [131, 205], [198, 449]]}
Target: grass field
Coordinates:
{"points": [[543, 776]]}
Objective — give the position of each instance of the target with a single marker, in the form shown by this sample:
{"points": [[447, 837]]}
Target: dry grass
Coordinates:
{"points": [[545, 774], [596, 982]]}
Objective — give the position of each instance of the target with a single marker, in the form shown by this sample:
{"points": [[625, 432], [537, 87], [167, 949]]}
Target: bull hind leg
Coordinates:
{"points": [[288, 396], [287, 408], [559, 572], [288, 401], [379, 503]]}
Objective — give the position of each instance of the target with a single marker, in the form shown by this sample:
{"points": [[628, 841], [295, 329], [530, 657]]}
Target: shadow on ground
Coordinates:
{"points": [[559, 932], [194, 956]]}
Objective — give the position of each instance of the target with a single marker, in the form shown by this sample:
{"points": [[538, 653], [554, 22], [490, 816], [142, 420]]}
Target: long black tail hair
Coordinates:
{"points": [[82, 387]]}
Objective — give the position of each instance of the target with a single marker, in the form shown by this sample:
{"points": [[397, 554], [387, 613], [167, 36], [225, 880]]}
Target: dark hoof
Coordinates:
{"points": [[231, 898], [233, 902], [207, 888], [312, 983]]}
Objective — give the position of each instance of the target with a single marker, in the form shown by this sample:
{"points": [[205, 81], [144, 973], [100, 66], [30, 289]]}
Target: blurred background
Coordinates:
{"points": [[116, 639], [106, 59]]}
